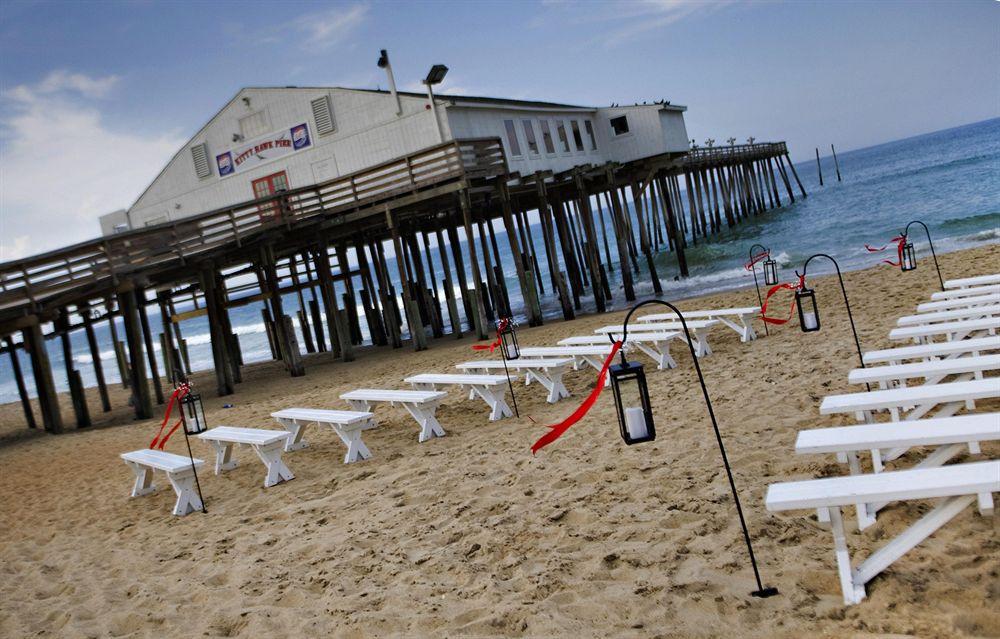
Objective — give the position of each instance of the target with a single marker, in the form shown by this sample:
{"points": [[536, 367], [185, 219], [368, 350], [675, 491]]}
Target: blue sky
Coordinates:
{"points": [[95, 97]]}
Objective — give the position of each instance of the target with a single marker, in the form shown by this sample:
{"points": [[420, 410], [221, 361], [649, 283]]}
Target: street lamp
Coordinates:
{"points": [[909, 257], [805, 299], [435, 76], [636, 424]]}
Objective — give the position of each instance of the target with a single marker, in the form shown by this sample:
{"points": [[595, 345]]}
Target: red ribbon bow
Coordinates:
{"points": [[757, 258], [501, 327], [900, 240], [774, 289], [556, 430], [176, 396]]}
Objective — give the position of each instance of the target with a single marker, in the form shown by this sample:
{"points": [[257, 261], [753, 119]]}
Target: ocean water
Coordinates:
{"points": [[948, 179]]}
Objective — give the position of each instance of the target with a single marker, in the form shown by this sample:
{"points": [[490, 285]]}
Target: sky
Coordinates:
{"points": [[95, 97]]}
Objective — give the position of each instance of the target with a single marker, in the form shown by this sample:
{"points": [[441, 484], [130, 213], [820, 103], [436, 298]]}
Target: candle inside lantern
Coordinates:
{"points": [[809, 320], [635, 421]]}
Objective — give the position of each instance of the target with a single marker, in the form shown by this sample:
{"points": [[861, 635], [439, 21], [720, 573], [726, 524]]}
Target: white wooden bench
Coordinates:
{"points": [[970, 282], [955, 314], [959, 302], [950, 435], [490, 388], [348, 425], [421, 405], [655, 345], [951, 331], [924, 399], [593, 356], [177, 469], [547, 372], [699, 332], [268, 444], [974, 291], [933, 371], [945, 350], [738, 319], [956, 486]]}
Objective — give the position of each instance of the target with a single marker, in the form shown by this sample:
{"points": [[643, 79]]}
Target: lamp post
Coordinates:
{"points": [[193, 418], [508, 350], [809, 317], [909, 257], [435, 76], [636, 424], [770, 273]]}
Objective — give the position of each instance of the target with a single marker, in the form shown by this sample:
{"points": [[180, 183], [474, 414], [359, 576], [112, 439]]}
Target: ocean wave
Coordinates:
{"points": [[972, 220]]}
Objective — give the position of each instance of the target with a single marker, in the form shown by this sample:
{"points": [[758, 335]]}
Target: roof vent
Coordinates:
{"points": [[323, 115], [199, 153]]}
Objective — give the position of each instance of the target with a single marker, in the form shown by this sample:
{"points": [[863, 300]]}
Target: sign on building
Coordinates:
{"points": [[264, 149]]}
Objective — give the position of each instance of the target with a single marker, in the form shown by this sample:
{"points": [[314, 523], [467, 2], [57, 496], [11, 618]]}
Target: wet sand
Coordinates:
{"points": [[470, 535]]}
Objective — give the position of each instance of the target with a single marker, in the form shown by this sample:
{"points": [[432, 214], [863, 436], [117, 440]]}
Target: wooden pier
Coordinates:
{"points": [[300, 241]]}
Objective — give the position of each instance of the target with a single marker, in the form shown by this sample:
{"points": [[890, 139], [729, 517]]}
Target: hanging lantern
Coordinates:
{"points": [[635, 417], [770, 272], [908, 261], [193, 413], [808, 316], [508, 339]]}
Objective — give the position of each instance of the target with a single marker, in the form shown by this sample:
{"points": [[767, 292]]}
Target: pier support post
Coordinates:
{"points": [[558, 282], [531, 306], [147, 338], [129, 306], [95, 356], [220, 346], [449, 287], [413, 320], [22, 391], [795, 174], [479, 312], [76, 392], [45, 388]]}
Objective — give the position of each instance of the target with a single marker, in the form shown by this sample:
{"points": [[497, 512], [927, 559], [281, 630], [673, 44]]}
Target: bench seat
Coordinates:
{"points": [[955, 314], [960, 302], [348, 425], [547, 372], [969, 282], [490, 388], [738, 319], [940, 349], [180, 472], [420, 404]]}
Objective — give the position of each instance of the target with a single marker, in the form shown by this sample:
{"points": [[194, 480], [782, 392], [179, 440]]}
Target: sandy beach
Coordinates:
{"points": [[470, 535]]}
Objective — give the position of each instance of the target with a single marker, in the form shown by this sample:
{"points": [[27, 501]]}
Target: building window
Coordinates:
{"points": [[515, 146], [529, 136], [254, 125], [619, 125], [267, 186], [588, 125], [577, 136], [563, 140], [547, 137]]}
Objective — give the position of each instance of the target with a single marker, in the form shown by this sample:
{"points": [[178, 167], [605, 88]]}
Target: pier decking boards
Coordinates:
{"points": [[299, 240]]}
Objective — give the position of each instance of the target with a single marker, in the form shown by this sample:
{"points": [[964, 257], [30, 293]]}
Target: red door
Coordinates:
{"points": [[269, 185]]}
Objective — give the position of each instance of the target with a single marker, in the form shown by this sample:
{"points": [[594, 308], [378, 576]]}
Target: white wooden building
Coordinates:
{"points": [[268, 139]]}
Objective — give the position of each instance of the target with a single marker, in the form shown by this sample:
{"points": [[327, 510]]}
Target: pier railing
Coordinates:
{"points": [[733, 153], [85, 267]]}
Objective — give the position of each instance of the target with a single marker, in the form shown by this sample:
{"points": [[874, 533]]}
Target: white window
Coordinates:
{"points": [[515, 146], [577, 136], [563, 140], [159, 219], [547, 137], [323, 115], [589, 126], [619, 125], [120, 228], [254, 125], [199, 154], [529, 136]]}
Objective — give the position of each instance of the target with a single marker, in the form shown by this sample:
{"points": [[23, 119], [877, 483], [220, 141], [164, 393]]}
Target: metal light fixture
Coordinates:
{"points": [[508, 338], [193, 414], [909, 263], [635, 417], [908, 258], [808, 316], [770, 271], [436, 74]]}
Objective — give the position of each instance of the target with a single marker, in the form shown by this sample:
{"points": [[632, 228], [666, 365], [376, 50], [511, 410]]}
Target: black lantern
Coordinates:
{"points": [[635, 417], [808, 317], [908, 257], [508, 339], [770, 272], [193, 413]]}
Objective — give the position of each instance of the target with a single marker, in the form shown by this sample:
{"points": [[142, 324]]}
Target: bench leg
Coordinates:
{"points": [[659, 352], [361, 405], [297, 429], [854, 590], [495, 400], [143, 479], [865, 516], [277, 471], [356, 449], [749, 334], [223, 456], [429, 426], [597, 364], [940, 456], [187, 498]]}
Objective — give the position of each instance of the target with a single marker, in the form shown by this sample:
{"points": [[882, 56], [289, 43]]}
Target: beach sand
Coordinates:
{"points": [[470, 535]]}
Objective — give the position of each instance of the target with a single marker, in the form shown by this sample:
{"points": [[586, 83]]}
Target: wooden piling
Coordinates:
{"points": [[795, 174], [544, 213], [224, 382], [836, 164], [45, 388], [22, 391], [129, 306], [479, 310], [95, 357], [532, 307], [819, 169]]}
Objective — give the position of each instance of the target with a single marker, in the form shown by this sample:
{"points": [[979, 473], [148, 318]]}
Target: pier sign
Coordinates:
{"points": [[263, 150]]}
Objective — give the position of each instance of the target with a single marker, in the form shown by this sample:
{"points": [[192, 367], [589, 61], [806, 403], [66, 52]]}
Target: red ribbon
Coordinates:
{"points": [[900, 240], [176, 396], [501, 326], [756, 258], [774, 289], [556, 430]]}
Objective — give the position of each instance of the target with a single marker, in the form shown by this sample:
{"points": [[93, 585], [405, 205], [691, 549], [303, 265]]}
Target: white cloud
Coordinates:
{"points": [[327, 28], [62, 166]]}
